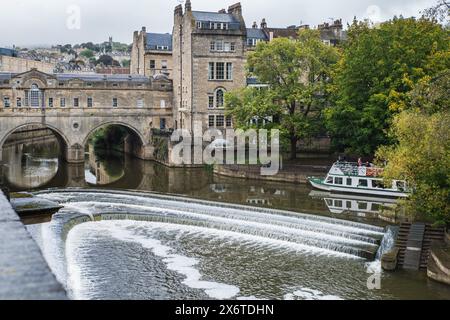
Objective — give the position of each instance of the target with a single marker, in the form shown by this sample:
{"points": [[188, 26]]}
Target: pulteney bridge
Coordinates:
{"points": [[73, 106]]}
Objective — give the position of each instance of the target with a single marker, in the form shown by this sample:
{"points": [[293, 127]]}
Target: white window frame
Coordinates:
{"points": [[229, 71], [7, 102]]}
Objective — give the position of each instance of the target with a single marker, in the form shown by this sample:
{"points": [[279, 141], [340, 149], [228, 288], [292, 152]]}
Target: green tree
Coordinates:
{"points": [[378, 69], [296, 73], [126, 63], [88, 54], [421, 154]]}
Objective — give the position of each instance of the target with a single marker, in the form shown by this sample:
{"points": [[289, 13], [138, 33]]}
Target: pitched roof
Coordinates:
{"points": [[159, 39], [102, 77], [255, 33], [283, 32], [8, 52], [214, 17], [94, 77]]}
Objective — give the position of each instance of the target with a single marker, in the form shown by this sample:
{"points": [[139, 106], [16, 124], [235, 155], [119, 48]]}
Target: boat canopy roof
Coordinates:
{"points": [[356, 170]]}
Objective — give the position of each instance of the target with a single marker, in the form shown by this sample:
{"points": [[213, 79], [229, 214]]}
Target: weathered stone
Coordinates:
{"points": [[389, 260], [24, 274]]}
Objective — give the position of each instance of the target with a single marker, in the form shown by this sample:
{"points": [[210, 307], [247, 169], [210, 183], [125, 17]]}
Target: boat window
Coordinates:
{"points": [[362, 183], [338, 203], [330, 180], [329, 202], [349, 181], [400, 186], [376, 207], [362, 205], [349, 204], [377, 184], [338, 181]]}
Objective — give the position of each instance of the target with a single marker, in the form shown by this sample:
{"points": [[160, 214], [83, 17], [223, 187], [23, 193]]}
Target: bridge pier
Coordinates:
{"points": [[74, 154]]}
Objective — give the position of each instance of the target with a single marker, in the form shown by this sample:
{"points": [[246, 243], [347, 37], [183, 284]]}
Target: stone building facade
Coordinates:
{"points": [[136, 100], [209, 50], [151, 54], [205, 56], [19, 65]]}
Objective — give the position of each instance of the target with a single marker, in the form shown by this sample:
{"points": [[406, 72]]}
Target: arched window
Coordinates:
{"points": [[35, 96], [220, 93]]}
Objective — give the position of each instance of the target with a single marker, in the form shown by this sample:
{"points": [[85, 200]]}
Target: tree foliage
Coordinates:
{"points": [[422, 152], [88, 54], [440, 11], [380, 66], [296, 73]]}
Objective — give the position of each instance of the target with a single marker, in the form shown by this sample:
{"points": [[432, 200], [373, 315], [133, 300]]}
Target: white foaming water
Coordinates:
{"points": [[319, 235], [387, 244], [309, 294], [175, 262]]}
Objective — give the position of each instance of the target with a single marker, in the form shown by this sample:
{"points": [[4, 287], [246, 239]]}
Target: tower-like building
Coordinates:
{"points": [[205, 57]]}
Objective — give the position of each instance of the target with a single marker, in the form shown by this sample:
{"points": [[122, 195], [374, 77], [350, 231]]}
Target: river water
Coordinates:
{"points": [[109, 243]]}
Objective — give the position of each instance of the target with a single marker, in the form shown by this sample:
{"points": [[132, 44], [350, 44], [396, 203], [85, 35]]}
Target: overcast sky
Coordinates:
{"points": [[39, 22]]}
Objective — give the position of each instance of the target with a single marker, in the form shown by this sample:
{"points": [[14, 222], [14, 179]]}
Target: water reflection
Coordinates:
{"points": [[363, 206], [30, 165], [36, 166], [104, 167]]}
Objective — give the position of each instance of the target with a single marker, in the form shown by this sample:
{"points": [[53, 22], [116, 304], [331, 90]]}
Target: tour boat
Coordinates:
{"points": [[347, 177]]}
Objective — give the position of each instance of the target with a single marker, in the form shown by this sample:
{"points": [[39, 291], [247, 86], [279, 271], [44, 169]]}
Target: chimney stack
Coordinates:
{"points": [[235, 9], [188, 6], [255, 25], [263, 24], [179, 10]]}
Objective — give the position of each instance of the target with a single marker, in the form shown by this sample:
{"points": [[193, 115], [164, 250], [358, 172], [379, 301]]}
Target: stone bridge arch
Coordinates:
{"points": [[60, 135], [137, 144], [73, 130]]}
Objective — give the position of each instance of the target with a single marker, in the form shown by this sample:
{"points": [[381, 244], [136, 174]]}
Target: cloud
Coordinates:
{"points": [[32, 22]]}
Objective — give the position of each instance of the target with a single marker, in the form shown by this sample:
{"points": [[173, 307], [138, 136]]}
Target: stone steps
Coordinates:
{"points": [[414, 242]]}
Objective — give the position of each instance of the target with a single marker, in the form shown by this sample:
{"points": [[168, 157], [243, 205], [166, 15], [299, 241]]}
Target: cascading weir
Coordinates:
{"points": [[295, 231]]}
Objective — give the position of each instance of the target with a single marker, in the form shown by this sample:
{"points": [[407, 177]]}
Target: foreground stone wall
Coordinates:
{"points": [[24, 274]]}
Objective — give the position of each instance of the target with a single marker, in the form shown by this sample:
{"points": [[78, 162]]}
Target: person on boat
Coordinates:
{"points": [[359, 162]]}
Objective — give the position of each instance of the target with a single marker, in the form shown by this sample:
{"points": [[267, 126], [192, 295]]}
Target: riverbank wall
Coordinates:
{"points": [[24, 273], [292, 173]]}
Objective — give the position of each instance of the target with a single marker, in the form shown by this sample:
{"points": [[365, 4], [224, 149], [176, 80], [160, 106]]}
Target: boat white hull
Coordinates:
{"points": [[372, 192]]}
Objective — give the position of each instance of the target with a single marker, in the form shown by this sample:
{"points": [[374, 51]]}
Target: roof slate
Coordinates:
{"points": [[214, 17], [255, 33], [159, 39]]}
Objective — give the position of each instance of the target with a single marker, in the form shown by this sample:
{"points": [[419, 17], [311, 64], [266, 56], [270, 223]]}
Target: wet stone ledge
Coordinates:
{"points": [[24, 274]]}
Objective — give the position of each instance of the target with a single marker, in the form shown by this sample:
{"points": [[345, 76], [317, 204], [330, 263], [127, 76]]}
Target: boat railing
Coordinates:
{"points": [[354, 169]]}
